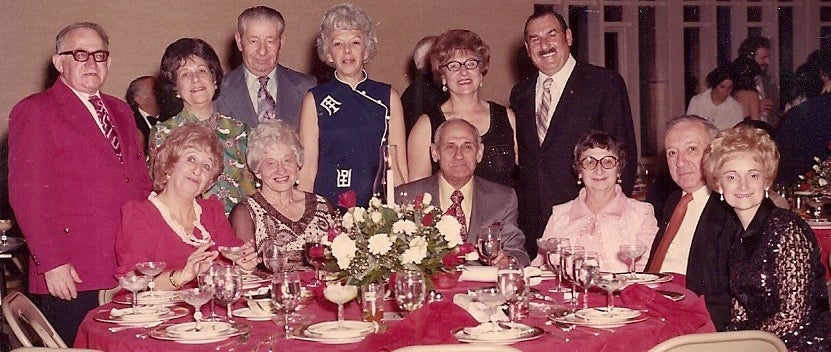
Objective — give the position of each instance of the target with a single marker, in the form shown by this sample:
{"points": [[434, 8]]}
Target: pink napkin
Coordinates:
{"points": [[689, 314], [431, 324]]}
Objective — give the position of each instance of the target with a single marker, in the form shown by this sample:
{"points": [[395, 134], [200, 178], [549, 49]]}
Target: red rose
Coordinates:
{"points": [[465, 248], [347, 199], [316, 252], [332, 233], [804, 186], [419, 199], [450, 260], [427, 220]]}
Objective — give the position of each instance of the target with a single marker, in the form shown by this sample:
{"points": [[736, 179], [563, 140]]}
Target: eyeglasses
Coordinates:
{"points": [[83, 55], [469, 64], [590, 163]]}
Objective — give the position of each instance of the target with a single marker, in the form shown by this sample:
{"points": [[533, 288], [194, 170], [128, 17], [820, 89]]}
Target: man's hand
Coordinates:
{"points": [[502, 260], [61, 282]]}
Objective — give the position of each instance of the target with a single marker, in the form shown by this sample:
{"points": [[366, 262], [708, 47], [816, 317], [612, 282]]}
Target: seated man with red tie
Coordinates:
{"points": [[696, 227], [476, 202]]}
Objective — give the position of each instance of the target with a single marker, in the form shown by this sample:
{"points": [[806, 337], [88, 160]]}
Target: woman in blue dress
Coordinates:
{"points": [[344, 122]]}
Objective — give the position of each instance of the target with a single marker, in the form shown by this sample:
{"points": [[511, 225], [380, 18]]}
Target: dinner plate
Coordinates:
{"points": [[331, 330], [247, 313], [531, 333], [575, 320], [161, 333], [604, 316], [208, 329], [649, 279], [487, 331], [161, 298], [173, 313], [325, 340], [139, 314]]}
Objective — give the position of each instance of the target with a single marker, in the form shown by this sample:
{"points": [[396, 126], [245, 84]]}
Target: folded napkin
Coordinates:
{"points": [[478, 310], [115, 312], [683, 316], [430, 325], [488, 274]]}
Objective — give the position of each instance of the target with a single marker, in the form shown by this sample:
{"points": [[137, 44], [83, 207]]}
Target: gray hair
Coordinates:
{"points": [[133, 89], [475, 130], [422, 51], [346, 17], [261, 13], [266, 135], [78, 25], [712, 130]]}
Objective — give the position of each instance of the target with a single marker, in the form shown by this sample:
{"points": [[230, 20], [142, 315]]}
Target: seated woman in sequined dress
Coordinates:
{"points": [[777, 282]]}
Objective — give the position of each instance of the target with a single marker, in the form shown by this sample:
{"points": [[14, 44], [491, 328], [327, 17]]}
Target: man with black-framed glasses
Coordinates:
{"points": [[74, 160]]}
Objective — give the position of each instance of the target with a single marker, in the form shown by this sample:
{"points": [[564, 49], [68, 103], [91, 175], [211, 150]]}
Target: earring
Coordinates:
{"points": [[579, 180], [178, 96], [166, 176], [721, 197], [618, 179], [296, 182], [443, 87], [766, 193]]}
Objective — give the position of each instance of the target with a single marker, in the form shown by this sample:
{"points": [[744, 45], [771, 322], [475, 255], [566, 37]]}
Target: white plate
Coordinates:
{"points": [[531, 333], [161, 298], [160, 333], [602, 316], [330, 329], [209, 329], [485, 332], [140, 314], [247, 313], [819, 224], [173, 313], [328, 341], [573, 319]]}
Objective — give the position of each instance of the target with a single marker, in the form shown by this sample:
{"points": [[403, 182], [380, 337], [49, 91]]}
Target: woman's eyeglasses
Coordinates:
{"points": [[590, 163]]}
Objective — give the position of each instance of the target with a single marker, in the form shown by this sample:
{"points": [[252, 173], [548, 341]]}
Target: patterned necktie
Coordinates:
{"points": [[672, 229], [266, 106], [106, 124], [457, 212], [545, 107]]}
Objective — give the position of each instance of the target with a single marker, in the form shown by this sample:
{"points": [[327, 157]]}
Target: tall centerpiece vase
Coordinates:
{"points": [[383, 187]]}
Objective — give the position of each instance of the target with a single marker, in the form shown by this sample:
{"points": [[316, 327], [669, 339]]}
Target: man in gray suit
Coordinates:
{"points": [[260, 89], [458, 149]]}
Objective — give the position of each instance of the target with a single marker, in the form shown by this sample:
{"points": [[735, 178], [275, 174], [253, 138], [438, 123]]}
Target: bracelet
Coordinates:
{"points": [[172, 282]]}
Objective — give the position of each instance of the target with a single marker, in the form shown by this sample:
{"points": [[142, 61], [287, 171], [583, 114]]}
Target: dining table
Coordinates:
{"points": [[663, 319], [822, 231]]}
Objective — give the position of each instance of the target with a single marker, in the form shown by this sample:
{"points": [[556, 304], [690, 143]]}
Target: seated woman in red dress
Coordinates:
{"points": [[175, 224]]}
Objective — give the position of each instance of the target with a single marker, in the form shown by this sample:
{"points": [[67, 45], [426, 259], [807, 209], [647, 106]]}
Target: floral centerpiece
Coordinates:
{"points": [[371, 243], [816, 180]]}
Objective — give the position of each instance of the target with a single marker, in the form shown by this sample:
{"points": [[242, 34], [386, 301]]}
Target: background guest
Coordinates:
{"points": [[142, 101], [745, 72], [602, 218], [344, 122], [716, 103], [190, 75], [175, 224], [758, 49], [423, 94], [460, 61], [776, 278], [278, 211]]}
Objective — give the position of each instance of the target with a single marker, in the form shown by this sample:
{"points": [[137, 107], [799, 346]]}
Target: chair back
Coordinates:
{"points": [[731, 341], [28, 324], [106, 296]]}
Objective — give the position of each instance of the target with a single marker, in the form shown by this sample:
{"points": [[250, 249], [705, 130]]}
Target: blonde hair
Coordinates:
{"points": [[190, 135], [742, 138]]}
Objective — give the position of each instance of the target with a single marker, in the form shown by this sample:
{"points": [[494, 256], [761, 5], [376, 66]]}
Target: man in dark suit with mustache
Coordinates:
{"points": [[553, 109]]}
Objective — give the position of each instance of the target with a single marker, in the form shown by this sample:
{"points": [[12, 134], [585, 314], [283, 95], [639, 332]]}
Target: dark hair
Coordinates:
{"points": [[744, 74], [133, 88], [542, 12], [261, 13], [757, 124], [602, 140], [458, 40], [189, 135], [748, 47], [174, 57], [718, 75]]}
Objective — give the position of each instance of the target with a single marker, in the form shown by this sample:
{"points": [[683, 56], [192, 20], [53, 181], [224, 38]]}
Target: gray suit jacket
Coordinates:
{"points": [[235, 102], [492, 203]]}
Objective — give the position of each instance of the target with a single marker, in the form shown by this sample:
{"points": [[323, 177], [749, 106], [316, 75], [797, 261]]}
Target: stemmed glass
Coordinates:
{"points": [[207, 282], [340, 294], [134, 283], [274, 256], [511, 283], [151, 269], [232, 253], [555, 247], [489, 245], [611, 282], [586, 269], [228, 285], [817, 202], [567, 268], [315, 255], [492, 298], [410, 290], [196, 297], [5, 225], [633, 252], [286, 292]]}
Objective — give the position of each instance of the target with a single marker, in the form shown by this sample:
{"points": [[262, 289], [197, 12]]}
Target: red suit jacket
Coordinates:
{"points": [[67, 186]]}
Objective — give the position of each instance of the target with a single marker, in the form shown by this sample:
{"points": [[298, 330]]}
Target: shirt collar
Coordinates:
{"points": [[614, 208], [81, 95], [253, 80], [445, 189], [560, 77]]}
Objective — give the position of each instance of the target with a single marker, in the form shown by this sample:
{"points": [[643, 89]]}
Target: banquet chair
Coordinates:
{"points": [[27, 322], [457, 348], [106, 296], [731, 341]]}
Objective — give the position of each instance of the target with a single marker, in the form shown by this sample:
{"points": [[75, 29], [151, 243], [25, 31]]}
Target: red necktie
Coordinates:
{"points": [[457, 212], [672, 230], [106, 124]]}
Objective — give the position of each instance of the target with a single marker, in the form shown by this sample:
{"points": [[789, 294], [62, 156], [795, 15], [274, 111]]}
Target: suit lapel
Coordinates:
{"points": [[566, 102], [80, 119], [241, 98]]}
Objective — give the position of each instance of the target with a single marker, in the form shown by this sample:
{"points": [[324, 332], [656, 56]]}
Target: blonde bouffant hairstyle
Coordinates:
{"points": [[742, 138]]}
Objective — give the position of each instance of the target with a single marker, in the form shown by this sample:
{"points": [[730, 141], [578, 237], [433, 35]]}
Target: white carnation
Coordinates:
{"points": [[376, 217], [348, 221], [344, 249], [450, 228], [429, 209], [404, 226], [416, 252], [427, 199], [823, 182], [379, 244], [375, 202], [359, 214]]}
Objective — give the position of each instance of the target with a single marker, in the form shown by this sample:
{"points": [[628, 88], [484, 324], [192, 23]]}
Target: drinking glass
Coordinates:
{"points": [[228, 285], [274, 256], [372, 302], [232, 253], [315, 255], [410, 290], [292, 322], [286, 292], [611, 282], [817, 202], [196, 297], [511, 283], [633, 252], [151, 269], [5, 225], [340, 294], [489, 245], [567, 268], [586, 269], [134, 283], [207, 281], [555, 250], [492, 298]]}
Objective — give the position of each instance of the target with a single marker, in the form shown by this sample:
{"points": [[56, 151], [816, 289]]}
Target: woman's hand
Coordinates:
{"points": [[191, 269], [249, 259]]}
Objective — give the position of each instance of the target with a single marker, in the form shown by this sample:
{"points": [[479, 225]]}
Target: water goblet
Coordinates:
{"points": [[489, 245], [316, 256], [555, 247], [228, 286], [611, 282], [232, 253], [567, 268], [492, 298], [410, 290], [286, 293], [207, 281], [633, 252], [511, 283], [134, 283], [586, 269], [292, 322], [5, 225], [274, 256], [339, 294], [196, 297], [151, 269]]}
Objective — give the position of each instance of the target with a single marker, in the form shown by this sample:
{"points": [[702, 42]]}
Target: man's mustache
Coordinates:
{"points": [[546, 52]]}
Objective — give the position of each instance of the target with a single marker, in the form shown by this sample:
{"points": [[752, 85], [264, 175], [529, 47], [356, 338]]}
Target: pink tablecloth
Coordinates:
{"points": [[633, 337], [824, 239]]}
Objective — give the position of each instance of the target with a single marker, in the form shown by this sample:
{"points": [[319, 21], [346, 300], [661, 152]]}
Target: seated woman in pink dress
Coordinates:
{"points": [[175, 224], [602, 218]]}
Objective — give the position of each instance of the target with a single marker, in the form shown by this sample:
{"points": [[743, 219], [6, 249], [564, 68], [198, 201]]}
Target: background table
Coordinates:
{"points": [[823, 235]]}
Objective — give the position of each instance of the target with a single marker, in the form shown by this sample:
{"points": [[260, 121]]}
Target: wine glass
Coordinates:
{"points": [[232, 253], [586, 269], [410, 290], [555, 250], [286, 292], [489, 245], [511, 283], [611, 282], [567, 268], [228, 285], [196, 297], [340, 294], [492, 298], [633, 252], [274, 256], [817, 202], [207, 281], [151, 269], [316, 256], [134, 283], [5, 225]]}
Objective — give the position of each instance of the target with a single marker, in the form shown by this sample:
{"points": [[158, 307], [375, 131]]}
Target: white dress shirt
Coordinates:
{"points": [[678, 253], [559, 82], [252, 81], [446, 190]]}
